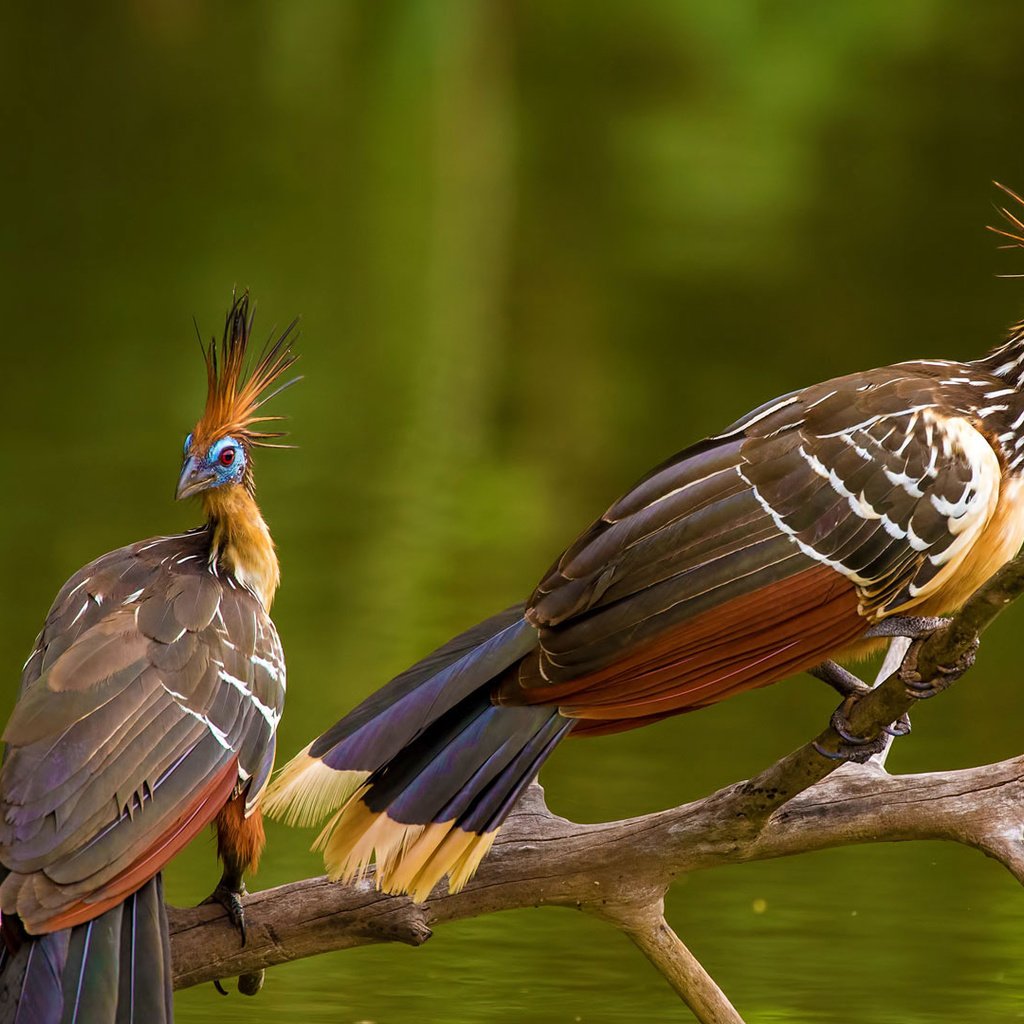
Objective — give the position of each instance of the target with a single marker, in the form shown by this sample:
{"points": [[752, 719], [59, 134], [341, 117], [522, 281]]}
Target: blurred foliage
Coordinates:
{"points": [[537, 247]]}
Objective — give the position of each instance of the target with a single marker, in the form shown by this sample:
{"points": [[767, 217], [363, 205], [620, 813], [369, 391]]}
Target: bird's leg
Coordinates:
{"points": [[915, 627], [844, 682], [240, 841], [851, 689], [229, 892]]}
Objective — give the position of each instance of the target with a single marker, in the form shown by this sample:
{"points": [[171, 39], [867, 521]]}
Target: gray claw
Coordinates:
{"points": [[901, 727], [230, 898], [859, 748], [946, 675], [231, 901], [853, 747]]}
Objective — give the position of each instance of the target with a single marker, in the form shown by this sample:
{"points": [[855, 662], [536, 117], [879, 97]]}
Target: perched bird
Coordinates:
{"points": [[148, 710], [817, 522]]}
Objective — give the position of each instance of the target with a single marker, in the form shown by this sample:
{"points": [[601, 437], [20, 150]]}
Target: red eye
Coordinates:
{"points": [[226, 457]]}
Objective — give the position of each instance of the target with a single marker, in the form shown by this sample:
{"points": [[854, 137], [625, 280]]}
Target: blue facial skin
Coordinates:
{"points": [[223, 464], [228, 472]]}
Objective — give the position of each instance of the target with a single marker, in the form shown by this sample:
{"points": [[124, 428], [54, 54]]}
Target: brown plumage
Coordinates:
{"points": [[127, 687], [148, 710], [748, 641]]}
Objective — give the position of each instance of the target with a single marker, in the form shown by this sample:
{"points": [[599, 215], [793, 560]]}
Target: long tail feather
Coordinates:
{"points": [[436, 807], [421, 775], [146, 981], [322, 777], [30, 981], [115, 969]]}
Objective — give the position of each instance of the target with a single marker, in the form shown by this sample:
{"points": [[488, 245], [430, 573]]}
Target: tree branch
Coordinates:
{"points": [[541, 859], [619, 871], [650, 932]]}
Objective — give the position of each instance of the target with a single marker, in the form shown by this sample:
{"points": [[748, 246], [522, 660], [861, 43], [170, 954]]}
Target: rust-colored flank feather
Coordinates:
{"points": [[31, 895], [742, 644], [235, 391]]}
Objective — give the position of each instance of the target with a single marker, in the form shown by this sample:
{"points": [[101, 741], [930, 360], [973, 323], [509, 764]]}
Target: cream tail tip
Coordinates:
{"points": [[410, 859], [306, 790]]}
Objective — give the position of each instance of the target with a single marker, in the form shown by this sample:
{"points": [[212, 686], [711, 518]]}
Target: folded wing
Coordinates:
{"points": [[763, 551], [152, 695]]}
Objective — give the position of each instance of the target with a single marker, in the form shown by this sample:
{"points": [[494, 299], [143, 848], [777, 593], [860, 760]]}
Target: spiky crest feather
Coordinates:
{"points": [[1006, 360], [1015, 234], [235, 392]]}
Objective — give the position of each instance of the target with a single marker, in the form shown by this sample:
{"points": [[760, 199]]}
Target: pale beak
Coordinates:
{"points": [[195, 477]]}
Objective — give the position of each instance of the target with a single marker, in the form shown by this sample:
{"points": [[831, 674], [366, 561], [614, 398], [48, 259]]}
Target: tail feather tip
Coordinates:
{"points": [[410, 859], [307, 789]]}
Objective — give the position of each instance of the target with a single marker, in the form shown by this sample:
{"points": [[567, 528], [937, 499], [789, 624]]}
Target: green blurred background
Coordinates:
{"points": [[537, 247]]}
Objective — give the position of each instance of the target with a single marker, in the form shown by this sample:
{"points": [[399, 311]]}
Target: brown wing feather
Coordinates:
{"points": [[190, 820], [698, 540], [153, 694], [763, 551]]}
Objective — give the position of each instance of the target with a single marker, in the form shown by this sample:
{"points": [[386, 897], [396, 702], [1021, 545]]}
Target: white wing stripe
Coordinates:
{"points": [[265, 710], [182, 701]]}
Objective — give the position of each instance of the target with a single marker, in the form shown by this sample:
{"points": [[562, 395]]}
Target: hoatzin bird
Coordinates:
{"points": [[777, 546], [148, 709]]}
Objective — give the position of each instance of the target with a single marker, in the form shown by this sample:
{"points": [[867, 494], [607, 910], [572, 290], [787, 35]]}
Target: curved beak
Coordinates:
{"points": [[195, 477]]}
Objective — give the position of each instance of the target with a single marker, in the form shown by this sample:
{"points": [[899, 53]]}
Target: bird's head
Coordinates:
{"points": [[218, 451], [224, 462]]}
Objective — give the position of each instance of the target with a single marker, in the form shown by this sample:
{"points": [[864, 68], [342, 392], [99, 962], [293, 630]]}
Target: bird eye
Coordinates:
{"points": [[226, 457]]}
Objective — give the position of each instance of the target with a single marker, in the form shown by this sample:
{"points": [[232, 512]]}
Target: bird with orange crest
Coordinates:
{"points": [[148, 710]]}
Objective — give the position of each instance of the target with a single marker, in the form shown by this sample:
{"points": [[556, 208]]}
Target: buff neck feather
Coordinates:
{"points": [[242, 541]]}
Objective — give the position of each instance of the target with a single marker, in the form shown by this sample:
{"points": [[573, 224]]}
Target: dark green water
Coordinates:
{"points": [[537, 248]]}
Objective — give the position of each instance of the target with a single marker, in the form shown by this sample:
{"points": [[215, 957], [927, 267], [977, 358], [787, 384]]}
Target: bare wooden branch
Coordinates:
{"points": [[541, 859], [619, 871], [645, 924]]}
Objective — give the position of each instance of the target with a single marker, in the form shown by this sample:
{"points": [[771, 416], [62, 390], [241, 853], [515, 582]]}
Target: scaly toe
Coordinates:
{"points": [[916, 627], [853, 747], [859, 748], [945, 675], [231, 901]]}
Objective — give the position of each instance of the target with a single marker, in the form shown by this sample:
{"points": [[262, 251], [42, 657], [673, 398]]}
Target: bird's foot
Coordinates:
{"points": [[944, 675], [915, 627], [228, 894], [852, 747], [230, 898], [852, 689]]}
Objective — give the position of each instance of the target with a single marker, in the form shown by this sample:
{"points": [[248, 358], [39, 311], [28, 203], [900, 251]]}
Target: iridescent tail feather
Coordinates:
{"points": [[421, 775]]}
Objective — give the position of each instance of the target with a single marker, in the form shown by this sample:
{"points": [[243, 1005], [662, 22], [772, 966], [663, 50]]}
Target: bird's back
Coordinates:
{"points": [[152, 695]]}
